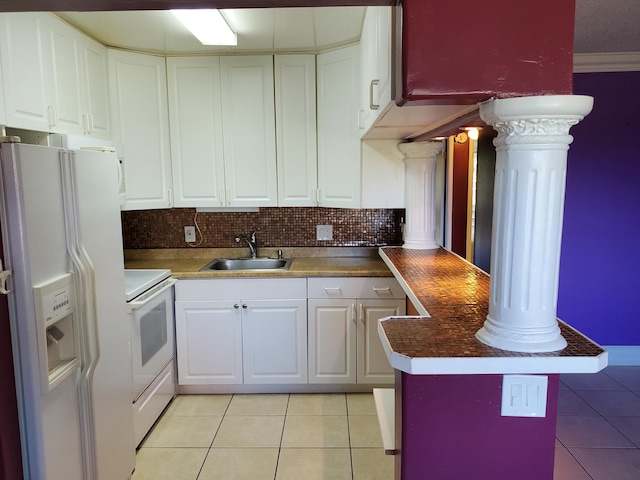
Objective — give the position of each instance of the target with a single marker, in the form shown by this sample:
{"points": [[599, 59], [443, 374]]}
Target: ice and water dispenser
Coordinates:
{"points": [[57, 325]]}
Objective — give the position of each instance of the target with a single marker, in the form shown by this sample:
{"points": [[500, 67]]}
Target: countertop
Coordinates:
{"points": [[452, 295], [186, 263]]}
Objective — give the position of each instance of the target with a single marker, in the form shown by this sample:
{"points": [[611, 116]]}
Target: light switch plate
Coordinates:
{"points": [[524, 395], [324, 232]]}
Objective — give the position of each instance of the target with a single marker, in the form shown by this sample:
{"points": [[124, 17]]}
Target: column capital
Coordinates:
{"points": [[535, 120], [418, 150]]}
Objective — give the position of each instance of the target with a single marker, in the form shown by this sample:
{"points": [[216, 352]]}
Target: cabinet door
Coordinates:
{"points": [[295, 81], [196, 131], [373, 364], [249, 130], [67, 87], [96, 112], [209, 342], [274, 336], [338, 134], [332, 341], [25, 70], [141, 126], [375, 50]]}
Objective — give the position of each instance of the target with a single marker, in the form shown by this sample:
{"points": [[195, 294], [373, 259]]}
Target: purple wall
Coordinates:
{"points": [[600, 261]]}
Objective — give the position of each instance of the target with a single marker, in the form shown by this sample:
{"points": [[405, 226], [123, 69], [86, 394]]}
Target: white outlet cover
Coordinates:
{"points": [[190, 234], [324, 232], [524, 395]]}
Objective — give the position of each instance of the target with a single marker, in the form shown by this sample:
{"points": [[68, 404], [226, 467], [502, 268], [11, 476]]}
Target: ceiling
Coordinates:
{"points": [[259, 30], [601, 26]]}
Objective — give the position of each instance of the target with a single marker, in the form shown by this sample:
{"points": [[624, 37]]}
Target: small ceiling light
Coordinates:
{"points": [[438, 139], [473, 132], [208, 26]]}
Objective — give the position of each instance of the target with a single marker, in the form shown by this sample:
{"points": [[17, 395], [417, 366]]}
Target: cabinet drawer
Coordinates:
{"points": [[245, 288], [354, 287]]}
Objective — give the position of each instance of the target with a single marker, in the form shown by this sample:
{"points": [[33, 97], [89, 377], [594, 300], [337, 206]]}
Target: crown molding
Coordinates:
{"points": [[606, 62]]}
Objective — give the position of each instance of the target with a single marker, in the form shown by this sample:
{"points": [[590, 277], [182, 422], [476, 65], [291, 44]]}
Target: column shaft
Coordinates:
{"points": [[531, 147], [420, 192]]}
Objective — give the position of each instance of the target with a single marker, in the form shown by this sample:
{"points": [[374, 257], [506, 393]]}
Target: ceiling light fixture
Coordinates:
{"points": [[473, 132], [208, 26]]}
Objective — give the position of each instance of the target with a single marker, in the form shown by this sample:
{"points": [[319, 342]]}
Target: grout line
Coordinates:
{"points": [[284, 422]]}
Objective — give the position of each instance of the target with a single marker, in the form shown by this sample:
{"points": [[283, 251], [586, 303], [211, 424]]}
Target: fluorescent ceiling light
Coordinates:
{"points": [[208, 26]]}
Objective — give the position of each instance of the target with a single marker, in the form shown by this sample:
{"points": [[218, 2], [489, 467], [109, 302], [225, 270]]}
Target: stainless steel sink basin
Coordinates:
{"points": [[260, 263]]}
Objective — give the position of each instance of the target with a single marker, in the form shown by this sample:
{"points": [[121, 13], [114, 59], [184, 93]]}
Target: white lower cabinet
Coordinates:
{"points": [[343, 314], [223, 338]]}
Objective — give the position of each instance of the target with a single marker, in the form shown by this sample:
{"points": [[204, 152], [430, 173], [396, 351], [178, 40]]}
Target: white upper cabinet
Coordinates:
{"points": [[338, 134], [66, 102], [51, 82], [141, 127], [26, 74], [375, 55], [196, 131], [249, 136], [295, 82], [96, 114]]}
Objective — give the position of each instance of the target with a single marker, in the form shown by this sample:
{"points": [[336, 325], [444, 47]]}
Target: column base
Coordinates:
{"points": [[527, 342], [420, 245]]}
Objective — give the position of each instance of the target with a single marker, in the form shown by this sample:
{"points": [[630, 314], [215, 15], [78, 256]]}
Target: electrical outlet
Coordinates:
{"points": [[324, 232], [524, 395], [190, 234]]}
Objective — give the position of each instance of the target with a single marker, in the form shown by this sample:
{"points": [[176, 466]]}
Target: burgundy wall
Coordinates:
{"points": [[501, 48], [600, 255], [459, 198], [10, 458]]}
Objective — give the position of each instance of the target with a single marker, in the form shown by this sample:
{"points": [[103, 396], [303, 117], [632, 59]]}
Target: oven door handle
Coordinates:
{"points": [[136, 304]]}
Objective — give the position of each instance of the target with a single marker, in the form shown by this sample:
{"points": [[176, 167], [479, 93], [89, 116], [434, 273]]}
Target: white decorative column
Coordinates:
{"points": [[532, 144], [420, 194]]}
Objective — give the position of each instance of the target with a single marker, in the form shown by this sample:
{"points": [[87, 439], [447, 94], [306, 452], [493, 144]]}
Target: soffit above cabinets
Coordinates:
{"points": [[260, 30]]}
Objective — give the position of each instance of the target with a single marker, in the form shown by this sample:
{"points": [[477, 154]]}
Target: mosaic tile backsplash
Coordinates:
{"points": [[275, 227]]}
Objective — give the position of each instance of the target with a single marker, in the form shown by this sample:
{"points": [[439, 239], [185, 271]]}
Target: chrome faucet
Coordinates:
{"points": [[251, 242]]}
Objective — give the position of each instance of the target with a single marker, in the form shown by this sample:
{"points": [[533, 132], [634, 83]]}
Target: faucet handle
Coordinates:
{"points": [[280, 254]]}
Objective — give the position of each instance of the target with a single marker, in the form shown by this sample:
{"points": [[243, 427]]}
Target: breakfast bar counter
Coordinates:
{"points": [[452, 295], [459, 409]]}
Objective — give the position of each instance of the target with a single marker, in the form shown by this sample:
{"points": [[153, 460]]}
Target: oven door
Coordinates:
{"points": [[152, 334]]}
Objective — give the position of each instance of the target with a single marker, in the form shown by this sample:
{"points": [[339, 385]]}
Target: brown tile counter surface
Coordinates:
{"points": [[307, 262], [453, 296]]}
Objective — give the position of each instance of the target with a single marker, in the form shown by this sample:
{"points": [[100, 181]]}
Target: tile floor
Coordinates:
{"points": [[336, 436]]}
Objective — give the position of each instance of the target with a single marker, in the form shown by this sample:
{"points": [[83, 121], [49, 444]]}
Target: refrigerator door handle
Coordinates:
{"points": [[4, 274], [86, 313]]}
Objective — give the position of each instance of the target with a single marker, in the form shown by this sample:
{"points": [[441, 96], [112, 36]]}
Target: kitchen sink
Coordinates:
{"points": [[259, 263]]}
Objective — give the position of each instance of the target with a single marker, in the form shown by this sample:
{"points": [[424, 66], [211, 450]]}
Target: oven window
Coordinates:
{"points": [[153, 331]]}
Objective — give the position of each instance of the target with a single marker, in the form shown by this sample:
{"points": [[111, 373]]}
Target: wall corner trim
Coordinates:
{"points": [[606, 62], [628, 355]]}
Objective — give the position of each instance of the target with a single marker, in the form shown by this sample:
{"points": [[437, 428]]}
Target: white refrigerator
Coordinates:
{"points": [[62, 235]]}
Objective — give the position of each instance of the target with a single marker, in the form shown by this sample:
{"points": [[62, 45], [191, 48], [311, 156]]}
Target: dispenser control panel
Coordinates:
{"points": [[56, 299]]}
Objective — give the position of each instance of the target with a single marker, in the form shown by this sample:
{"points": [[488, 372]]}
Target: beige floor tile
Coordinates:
{"points": [[240, 464], [361, 404], [314, 464], [364, 431], [371, 464], [168, 463], [190, 405], [317, 404], [250, 431], [262, 404], [175, 431], [311, 431]]}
